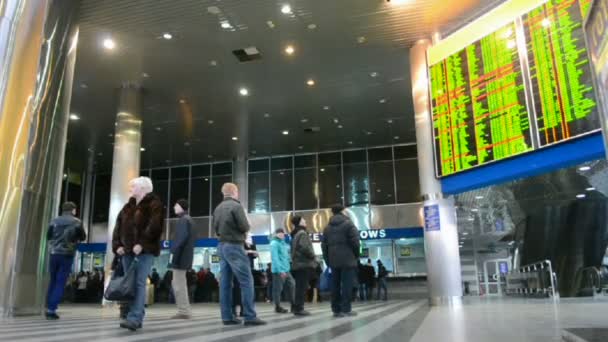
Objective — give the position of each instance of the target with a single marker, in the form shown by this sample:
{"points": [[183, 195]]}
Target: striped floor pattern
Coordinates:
{"points": [[377, 321]]}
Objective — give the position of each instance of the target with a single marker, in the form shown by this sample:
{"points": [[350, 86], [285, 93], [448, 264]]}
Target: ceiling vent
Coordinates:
{"points": [[312, 129], [247, 54]]}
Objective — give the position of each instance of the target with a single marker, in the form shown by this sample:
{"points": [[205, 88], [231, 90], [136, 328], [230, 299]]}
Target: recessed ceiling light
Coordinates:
{"points": [[382, 101], [209, 156], [254, 152], [350, 142], [389, 121], [213, 63], [396, 137], [374, 74], [143, 149], [322, 170], [84, 86], [289, 49], [304, 120], [225, 24], [266, 115], [369, 133], [109, 44], [210, 122], [167, 35], [581, 196], [182, 101], [285, 132], [312, 26], [244, 91], [100, 154], [186, 144], [270, 24], [74, 117], [159, 128], [584, 168], [361, 39], [340, 126], [325, 107], [286, 9], [590, 189], [336, 120], [144, 75], [310, 82], [110, 135], [235, 138], [300, 147]]}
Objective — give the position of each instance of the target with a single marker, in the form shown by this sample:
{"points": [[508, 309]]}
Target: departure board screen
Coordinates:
{"points": [[479, 104], [524, 86], [560, 72]]}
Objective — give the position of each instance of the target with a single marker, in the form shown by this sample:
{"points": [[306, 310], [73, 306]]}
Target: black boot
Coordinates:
{"points": [[279, 309]]}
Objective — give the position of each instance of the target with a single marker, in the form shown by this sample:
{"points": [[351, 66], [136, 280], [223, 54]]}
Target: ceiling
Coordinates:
{"points": [[355, 50]]}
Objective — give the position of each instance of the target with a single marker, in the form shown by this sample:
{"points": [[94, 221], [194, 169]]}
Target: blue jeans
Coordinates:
{"points": [[342, 280], [235, 263], [382, 286], [59, 267], [144, 266]]}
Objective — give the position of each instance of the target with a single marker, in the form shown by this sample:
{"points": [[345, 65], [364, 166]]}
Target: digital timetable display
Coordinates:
{"points": [[523, 86]]}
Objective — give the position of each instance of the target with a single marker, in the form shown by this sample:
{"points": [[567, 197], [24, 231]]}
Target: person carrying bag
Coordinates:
{"points": [[122, 284]]}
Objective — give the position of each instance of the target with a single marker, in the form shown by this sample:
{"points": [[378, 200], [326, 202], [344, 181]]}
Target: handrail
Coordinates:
{"points": [[536, 273], [596, 277]]}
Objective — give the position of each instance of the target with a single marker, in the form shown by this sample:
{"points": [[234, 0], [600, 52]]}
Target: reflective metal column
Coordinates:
{"points": [[240, 161], [38, 42], [438, 214], [125, 165]]}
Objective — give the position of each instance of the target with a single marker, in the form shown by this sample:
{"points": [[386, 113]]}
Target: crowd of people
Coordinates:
{"points": [[293, 276]]}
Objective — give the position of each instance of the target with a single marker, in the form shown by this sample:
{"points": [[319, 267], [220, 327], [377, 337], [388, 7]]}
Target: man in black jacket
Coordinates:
{"points": [[340, 246], [64, 233], [182, 253]]}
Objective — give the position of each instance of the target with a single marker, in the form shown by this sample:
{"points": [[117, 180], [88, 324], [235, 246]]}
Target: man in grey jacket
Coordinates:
{"points": [[63, 236], [182, 253], [231, 226]]}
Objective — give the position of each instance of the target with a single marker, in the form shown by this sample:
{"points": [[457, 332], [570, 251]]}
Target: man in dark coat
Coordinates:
{"points": [[340, 247], [136, 238], [64, 234], [182, 253], [303, 263]]}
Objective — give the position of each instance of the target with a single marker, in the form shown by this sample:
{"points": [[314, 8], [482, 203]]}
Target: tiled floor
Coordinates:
{"points": [[478, 320]]}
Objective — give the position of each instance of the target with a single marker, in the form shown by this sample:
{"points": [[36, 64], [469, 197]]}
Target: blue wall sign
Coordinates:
{"points": [[503, 267], [431, 218]]}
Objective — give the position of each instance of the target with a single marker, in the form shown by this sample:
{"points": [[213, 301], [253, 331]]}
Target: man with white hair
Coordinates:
{"points": [[231, 226], [136, 238]]}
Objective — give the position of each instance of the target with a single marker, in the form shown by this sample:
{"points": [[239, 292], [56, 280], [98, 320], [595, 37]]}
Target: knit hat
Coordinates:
{"points": [[295, 220], [337, 208], [183, 203]]}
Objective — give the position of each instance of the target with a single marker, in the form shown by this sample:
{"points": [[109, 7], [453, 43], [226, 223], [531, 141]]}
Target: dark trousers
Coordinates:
{"points": [[342, 288], [59, 266], [302, 277]]}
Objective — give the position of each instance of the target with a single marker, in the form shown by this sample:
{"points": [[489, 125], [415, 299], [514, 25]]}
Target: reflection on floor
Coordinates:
{"points": [[511, 319], [377, 321]]}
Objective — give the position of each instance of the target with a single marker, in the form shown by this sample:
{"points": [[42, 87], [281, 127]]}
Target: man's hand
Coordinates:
{"points": [[283, 275], [137, 249], [120, 251]]}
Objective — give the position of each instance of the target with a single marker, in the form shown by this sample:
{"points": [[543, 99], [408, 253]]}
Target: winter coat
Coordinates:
{"points": [[302, 252], [230, 222], [64, 234], [182, 246], [279, 253], [139, 223], [340, 243]]}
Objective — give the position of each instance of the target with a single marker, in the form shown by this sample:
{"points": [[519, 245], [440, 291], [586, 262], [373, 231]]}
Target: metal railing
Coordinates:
{"points": [[588, 279], [537, 279]]}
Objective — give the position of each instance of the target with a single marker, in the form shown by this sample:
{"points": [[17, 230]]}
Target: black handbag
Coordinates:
{"points": [[122, 286]]}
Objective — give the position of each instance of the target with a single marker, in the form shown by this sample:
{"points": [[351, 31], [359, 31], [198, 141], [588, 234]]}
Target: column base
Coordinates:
{"points": [[454, 301]]}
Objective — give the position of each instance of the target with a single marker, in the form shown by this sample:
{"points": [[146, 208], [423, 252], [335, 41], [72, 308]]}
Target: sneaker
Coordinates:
{"points": [[281, 310], [301, 313], [338, 315], [181, 316], [255, 321], [52, 316], [232, 322], [350, 314], [132, 326]]}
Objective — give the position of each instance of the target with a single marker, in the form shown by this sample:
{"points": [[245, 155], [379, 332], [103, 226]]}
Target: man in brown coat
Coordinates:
{"points": [[136, 238]]}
